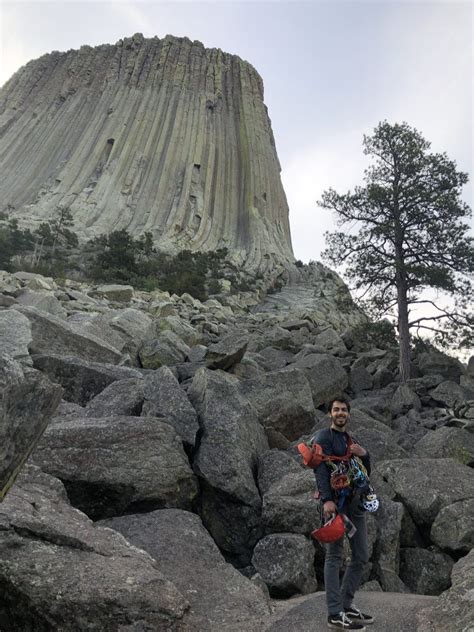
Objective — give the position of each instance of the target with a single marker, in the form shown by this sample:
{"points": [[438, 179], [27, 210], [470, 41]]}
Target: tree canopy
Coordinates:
{"points": [[405, 232]]}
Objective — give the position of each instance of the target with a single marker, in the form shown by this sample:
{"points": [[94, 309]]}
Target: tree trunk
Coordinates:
{"points": [[403, 333]]}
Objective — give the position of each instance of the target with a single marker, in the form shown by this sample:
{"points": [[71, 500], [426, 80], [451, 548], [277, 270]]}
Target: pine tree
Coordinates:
{"points": [[406, 231]]}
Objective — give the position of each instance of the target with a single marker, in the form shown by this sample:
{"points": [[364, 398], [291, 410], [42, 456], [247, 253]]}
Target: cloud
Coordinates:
{"points": [[336, 162]]}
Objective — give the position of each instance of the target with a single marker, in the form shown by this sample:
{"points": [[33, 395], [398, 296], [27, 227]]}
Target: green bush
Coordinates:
{"points": [[380, 334]]}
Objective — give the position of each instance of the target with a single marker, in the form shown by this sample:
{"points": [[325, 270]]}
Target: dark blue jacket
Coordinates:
{"points": [[333, 442]]}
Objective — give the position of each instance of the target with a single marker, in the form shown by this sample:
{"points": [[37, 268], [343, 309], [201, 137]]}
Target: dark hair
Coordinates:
{"points": [[343, 399]]}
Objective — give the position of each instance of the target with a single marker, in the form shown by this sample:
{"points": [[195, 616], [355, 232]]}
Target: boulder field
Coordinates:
{"points": [[167, 493]]}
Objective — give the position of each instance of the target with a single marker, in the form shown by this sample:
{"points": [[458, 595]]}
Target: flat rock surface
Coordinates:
{"points": [[393, 612]]}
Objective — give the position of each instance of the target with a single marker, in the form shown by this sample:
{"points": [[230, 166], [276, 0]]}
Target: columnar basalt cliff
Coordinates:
{"points": [[151, 135]]}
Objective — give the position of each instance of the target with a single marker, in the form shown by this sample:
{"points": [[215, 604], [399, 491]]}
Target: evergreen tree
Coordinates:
{"points": [[411, 235]]}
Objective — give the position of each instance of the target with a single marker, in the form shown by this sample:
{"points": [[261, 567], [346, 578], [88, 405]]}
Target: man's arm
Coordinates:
{"points": [[321, 472]]}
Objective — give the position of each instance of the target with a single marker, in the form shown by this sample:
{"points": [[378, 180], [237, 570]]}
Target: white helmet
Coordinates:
{"points": [[370, 503]]}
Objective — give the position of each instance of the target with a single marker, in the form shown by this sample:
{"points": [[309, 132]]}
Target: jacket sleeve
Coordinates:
{"points": [[322, 472], [366, 461], [366, 458]]}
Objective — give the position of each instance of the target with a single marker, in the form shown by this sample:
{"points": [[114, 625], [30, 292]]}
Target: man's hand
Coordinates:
{"points": [[357, 449], [329, 508]]}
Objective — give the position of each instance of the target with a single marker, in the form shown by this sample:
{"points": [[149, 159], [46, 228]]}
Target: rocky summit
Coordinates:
{"points": [[148, 135], [167, 494]]}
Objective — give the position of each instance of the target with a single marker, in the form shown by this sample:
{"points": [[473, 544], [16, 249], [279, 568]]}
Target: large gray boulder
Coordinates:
{"points": [[114, 292], [27, 402], [163, 397], [232, 437], [453, 610], [227, 352], [81, 379], [283, 401], [221, 598], [437, 363], [289, 505], [51, 335], [44, 301], [325, 375], [133, 326], [273, 466], [425, 572], [59, 571], [285, 562], [118, 464], [453, 528], [167, 349], [15, 335], [448, 393], [403, 400], [122, 397], [447, 442], [425, 486], [226, 460], [388, 519]]}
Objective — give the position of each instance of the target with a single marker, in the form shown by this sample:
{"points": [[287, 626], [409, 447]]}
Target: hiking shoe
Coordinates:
{"points": [[356, 615], [342, 622]]}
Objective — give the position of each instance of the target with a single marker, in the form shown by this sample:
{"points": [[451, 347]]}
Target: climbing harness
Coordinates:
{"points": [[348, 474]]}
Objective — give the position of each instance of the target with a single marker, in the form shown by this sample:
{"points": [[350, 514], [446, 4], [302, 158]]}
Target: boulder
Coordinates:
{"points": [[453, 528], [226, 460], [425, 572], [96, 324], [113, 292], [15, 335], [163, 397], [403, 400], [437, 363], [52, 335], [453, 609], [381, 444], [27, 402], [166, 350], [227, 352], [376, 404], [44, 301], [294, 324], [447, 442], [389, 521], [273, 359], [118, 465], [81, 379], [283, 401], [180, 327], [360, 379], [285, 561], [273, 466], [133, 326], [325, 375], [330, 342], [448, 393], [425, 486], [289, 504], [220, 597], [122, 397], [275, 337], [59, 571]]}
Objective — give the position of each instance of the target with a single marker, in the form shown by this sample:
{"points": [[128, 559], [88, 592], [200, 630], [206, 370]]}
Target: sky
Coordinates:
{"points": [[331, 71]]}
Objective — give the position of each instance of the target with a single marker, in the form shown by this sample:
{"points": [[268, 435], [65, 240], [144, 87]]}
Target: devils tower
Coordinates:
{"points": [[158, 135]]}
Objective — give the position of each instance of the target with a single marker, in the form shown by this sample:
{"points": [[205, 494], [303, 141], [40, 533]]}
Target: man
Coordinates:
{"points": [[335, 441]]}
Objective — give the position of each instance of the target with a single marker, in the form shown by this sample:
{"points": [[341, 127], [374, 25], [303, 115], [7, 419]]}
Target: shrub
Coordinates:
{"points": [[380, 334]]}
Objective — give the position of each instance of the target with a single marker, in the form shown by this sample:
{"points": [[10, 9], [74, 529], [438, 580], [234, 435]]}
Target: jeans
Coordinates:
{"points": [[339, 596]]}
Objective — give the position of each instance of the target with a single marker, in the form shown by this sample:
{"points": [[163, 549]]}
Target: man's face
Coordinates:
{"points": [[339, 415]]}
